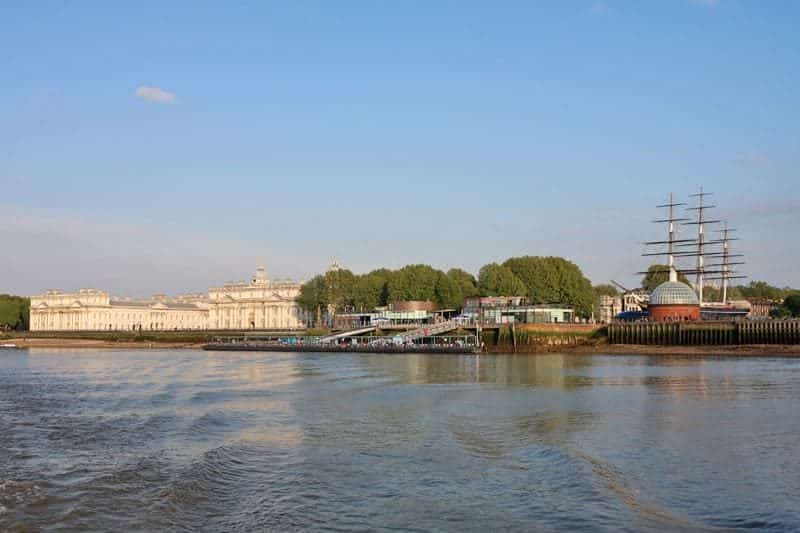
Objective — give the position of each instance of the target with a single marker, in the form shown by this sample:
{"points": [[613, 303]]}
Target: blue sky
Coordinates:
{"points": [[166, 146]]}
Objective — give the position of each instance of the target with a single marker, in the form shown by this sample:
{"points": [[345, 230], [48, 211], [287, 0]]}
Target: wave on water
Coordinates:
{"points": [[18, 503]]}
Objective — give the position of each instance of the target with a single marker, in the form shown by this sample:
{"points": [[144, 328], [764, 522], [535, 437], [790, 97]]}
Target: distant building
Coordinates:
{"points": [[761, 307], [513, 309], [610, 306], [259, 304], [96, 310], [410, 312], [635, 300]]}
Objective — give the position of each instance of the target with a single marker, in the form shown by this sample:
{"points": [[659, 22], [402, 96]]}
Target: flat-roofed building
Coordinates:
{"points": [[513, 309]]}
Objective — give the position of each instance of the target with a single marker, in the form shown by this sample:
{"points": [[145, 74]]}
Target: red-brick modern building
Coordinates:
{"points": [[673, 301]]}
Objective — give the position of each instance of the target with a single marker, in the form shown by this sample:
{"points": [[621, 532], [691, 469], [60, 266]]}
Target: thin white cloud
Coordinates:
{"points": [[155, 95]]}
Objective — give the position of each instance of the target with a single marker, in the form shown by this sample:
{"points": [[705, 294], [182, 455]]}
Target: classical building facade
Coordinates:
{"points": [[259, 304], [96, 310]]}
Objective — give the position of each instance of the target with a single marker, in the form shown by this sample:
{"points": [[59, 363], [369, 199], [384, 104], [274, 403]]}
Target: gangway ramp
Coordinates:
{"points": [[428, 331], [343, 334]]}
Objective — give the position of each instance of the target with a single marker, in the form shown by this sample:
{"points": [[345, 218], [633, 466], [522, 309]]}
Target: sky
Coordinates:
{"points": [[172, 146]]}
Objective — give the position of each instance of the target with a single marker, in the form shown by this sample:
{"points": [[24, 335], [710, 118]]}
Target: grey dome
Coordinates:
{"points": [[673, 293]]}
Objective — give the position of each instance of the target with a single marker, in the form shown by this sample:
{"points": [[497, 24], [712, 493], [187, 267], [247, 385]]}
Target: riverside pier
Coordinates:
{"points": [[427, 338]]}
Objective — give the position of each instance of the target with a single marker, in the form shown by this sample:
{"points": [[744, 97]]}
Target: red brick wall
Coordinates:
{"points": [[665, 313], [414, 305]]}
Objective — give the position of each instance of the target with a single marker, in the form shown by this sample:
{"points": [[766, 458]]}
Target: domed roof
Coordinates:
{"points": [[673, 293]]}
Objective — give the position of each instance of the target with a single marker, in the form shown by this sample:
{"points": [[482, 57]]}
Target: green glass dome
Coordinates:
{"points": [[673, 293]]}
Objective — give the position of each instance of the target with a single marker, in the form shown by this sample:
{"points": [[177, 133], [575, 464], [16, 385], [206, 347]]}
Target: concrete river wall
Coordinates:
{"points": [[706, 333]]}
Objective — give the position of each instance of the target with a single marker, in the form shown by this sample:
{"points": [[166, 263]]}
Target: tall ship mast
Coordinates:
{"points": [[727, 270], [701, 245], [711, 259], [668, 247]]}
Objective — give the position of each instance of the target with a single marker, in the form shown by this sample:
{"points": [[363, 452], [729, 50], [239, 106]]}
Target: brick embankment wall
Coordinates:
{"points": [[559, 328], [539, 337]]}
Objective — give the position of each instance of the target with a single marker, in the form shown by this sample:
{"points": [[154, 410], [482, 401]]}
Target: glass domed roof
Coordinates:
{"points": [[673, 293]]}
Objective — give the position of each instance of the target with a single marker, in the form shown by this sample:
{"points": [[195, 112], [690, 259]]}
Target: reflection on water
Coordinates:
{"points": [[118, 440]]}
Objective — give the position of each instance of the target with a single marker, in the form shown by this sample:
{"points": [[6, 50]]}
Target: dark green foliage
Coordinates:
{"points": [[371, 290], [554, 280], [780, 312], [498, 280], [14, 312], [761, 290], [448, 293], [335, 288], [313, 294], [347, 292], [414, 282], [605, 289], [339, 289], [658, 274], [755, 290], [792, 304], [466, 282]]}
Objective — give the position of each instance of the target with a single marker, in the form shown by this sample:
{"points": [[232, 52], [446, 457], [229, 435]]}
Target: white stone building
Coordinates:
{"points": [[95, 310], [260, 304], [610, 306]]}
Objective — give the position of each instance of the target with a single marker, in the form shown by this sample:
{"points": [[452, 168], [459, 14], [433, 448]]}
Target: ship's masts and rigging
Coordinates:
{"points": [[699, 247]]}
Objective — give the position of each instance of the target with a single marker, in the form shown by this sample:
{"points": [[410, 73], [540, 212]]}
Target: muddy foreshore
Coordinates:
{"points": [[781, 350], [32, 342]]}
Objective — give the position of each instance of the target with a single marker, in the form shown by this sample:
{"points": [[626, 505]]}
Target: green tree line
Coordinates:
{"points": [[542, 280]]}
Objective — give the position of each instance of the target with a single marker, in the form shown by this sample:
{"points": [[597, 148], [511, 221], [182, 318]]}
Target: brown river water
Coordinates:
{"points": [[148, 440]]}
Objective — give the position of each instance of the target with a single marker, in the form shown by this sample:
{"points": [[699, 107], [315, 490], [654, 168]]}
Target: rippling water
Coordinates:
{"points": [[187, 440]]}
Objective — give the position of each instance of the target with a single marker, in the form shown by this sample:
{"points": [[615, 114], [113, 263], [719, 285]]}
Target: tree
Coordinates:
{"points": [[713, 294], [14, 312], [554, 280], [339, 289], [413, 282], [466, 282], [658, 274], [448, 293], [605, 289], [498, 280], [792, 304], [313, 294], [371, 290], [780, 312], [763, 290]]}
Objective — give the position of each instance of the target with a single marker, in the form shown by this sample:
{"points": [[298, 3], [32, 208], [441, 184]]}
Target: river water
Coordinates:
{"points": [[115, 440]]}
